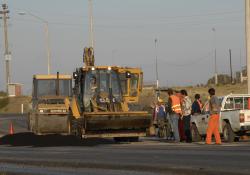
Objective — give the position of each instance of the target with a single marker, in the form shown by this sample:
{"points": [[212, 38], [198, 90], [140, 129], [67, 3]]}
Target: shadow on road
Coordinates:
{"points": [[30, 139]]}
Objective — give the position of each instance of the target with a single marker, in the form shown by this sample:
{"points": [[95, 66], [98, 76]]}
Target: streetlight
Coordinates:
{"points": [[46, 27], [215, 58]]}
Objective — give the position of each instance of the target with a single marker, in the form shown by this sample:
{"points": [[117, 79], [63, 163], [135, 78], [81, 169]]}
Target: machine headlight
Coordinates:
{"points": [[41, 110]]}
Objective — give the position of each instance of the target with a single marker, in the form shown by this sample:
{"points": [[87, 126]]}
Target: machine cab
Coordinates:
{"points": [[131, 83], [51, 89], [104, 88], [99, 89]]}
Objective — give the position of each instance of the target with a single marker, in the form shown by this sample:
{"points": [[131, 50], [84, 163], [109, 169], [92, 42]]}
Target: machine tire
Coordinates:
{"points": [[196, 137], [228, 133]]}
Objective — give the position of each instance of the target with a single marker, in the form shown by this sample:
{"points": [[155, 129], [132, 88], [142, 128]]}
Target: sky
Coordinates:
{"points": [[125, 33]]}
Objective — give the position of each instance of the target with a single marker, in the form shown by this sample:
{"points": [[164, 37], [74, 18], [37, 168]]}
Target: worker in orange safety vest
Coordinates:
{"points": [[174, 113]]}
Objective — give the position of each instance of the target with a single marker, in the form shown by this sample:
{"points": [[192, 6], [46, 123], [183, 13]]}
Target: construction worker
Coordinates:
{"points": [[174, 113], [161, 117], [186, 106], [180, 122], [213, 124], [197, 105], [93, 84]]}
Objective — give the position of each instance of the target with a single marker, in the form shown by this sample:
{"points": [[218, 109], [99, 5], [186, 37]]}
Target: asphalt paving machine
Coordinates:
{"points": [[51, 97]]}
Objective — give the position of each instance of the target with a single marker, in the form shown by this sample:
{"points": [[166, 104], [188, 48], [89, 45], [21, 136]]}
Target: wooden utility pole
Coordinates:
{"points": [[247, 30], [7, 53]]}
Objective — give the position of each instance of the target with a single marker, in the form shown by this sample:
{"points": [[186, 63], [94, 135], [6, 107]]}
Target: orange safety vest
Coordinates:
{"points": [[176, 104]]}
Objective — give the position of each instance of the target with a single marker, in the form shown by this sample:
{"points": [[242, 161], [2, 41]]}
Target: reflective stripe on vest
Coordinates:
{"points": [[176, 104]]}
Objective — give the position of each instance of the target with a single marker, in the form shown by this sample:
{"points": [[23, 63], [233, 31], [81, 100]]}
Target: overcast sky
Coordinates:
{"points": [[124, 32]]}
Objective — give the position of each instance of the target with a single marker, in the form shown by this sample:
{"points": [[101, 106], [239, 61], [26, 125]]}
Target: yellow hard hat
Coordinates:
{"points": [[160, 101]]}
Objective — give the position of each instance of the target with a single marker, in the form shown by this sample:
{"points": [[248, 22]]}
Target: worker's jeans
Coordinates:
{"points": [[186, 121], [174, 120]]}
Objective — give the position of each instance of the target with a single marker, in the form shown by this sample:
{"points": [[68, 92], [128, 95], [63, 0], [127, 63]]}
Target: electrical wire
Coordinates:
{"points": [[189, 63]]}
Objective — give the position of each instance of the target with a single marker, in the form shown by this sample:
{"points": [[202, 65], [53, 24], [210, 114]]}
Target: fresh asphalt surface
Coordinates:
{"points": [[25, 153]]}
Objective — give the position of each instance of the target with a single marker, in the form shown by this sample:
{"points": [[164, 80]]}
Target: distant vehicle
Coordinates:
{"points": [[234, 118], [50, 104]]}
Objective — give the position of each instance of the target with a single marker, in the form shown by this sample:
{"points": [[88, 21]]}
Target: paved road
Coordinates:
{"points": [[26, 153], [68, 155]]}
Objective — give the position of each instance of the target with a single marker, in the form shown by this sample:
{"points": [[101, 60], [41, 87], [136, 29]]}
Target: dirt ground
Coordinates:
{"points": [[15, 103], [148, 96]]}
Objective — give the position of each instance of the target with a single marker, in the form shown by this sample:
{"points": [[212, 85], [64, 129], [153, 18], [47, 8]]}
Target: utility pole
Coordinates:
{"points": [[91, 30], [247, 30], [241, 69], [231, 69], [215, 59], [48, 46], [156, 69], [7, 53], [156, 65]]}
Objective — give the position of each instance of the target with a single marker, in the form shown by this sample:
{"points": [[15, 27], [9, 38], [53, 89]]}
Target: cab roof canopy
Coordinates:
{"points": [[51, 77]]}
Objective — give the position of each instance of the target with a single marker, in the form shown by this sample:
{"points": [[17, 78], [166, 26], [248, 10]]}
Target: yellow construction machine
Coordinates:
{"points": [[102, 101], [50, 104]]}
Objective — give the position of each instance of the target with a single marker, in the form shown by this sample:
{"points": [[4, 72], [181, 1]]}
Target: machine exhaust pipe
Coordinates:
{"points": [[57, 84]]}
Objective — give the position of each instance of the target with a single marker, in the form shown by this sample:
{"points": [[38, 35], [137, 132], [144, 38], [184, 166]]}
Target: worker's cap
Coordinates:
{"points": [[160, 101]]}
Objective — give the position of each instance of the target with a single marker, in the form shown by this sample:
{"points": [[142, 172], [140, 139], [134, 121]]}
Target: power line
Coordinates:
{"points": [[164, 18], [189, 63], [206, 14], [196, 23]]}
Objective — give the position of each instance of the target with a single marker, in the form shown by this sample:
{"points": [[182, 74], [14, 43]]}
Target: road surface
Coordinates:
{"points": [[29, 154], [25, 153]]}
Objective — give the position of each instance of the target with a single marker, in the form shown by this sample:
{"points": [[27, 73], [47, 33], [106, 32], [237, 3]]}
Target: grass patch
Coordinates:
{"points": [[4, 102], [3, 94]]}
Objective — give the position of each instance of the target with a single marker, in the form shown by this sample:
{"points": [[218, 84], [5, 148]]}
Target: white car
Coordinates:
{"points": [[234, 118]]}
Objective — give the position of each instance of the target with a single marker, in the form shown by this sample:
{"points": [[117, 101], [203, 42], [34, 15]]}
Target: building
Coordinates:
{"points": [[15, 89]]}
